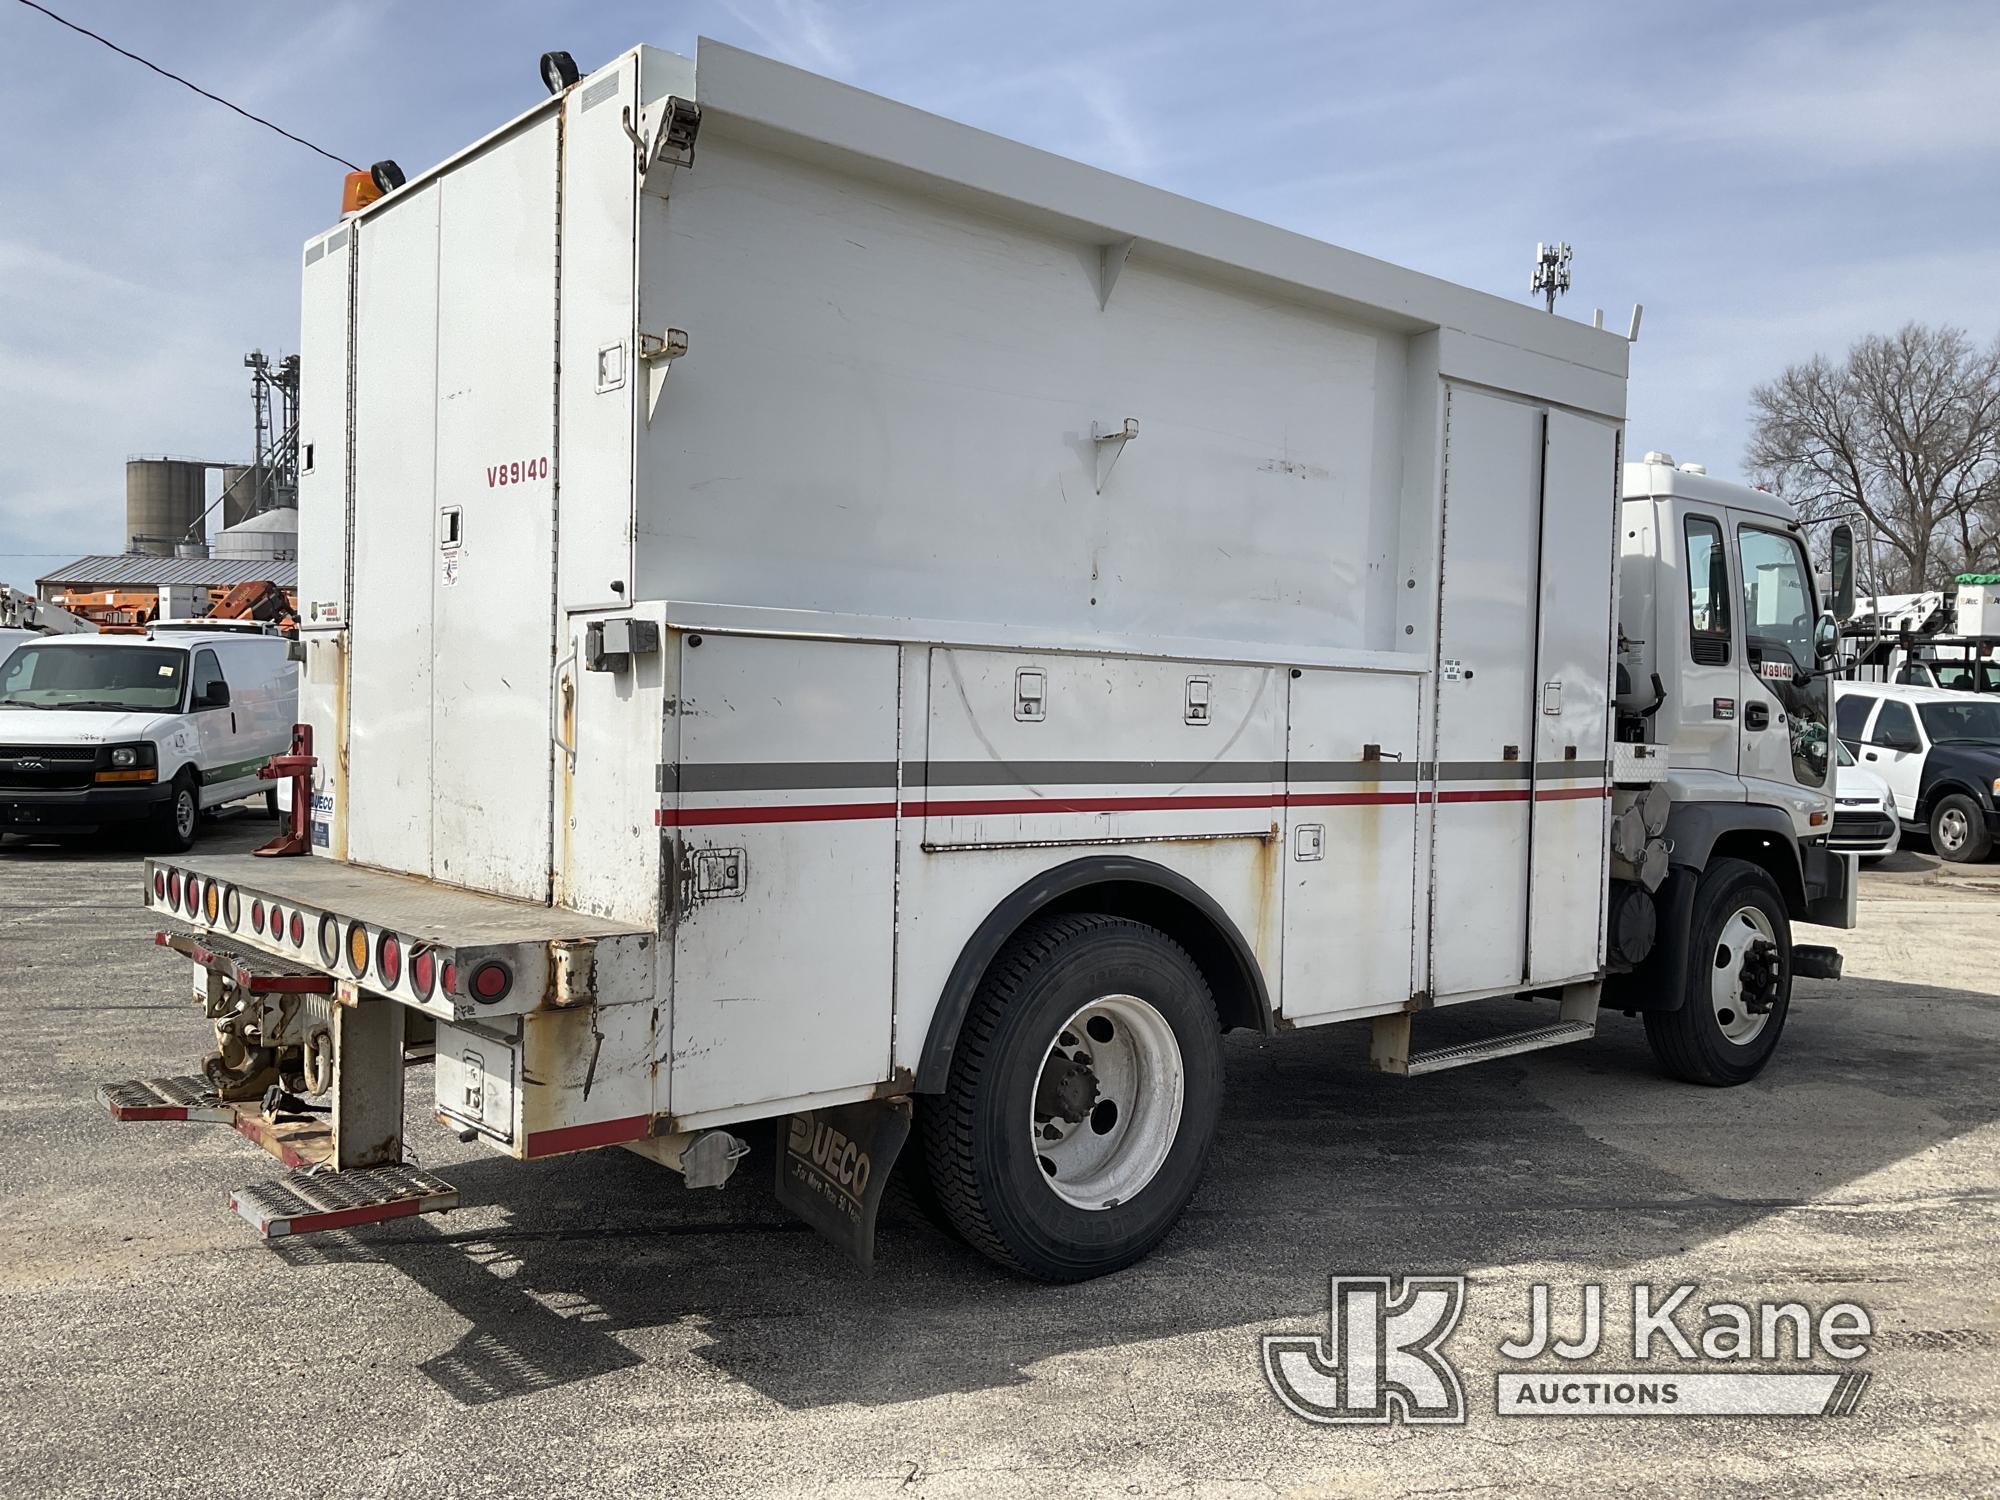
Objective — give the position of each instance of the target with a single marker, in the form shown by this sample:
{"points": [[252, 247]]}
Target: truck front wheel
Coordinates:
{"points": [[1082, 1098], [174, 820], [1739, 984]]}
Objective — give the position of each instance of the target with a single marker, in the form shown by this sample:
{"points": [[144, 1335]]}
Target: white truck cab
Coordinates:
{"points": [[98, 729]]}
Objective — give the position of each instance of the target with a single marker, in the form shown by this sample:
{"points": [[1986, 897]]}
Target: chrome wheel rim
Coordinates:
{"points": [[1728, 990], [184, 813], [1953, 830], [1107, 1102]]}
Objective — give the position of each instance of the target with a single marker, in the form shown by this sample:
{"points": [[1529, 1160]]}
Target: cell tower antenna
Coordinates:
{"points": [[1551, 276]]}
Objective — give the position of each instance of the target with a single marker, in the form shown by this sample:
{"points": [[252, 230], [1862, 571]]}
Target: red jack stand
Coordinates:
{"points": [[295, 766]]}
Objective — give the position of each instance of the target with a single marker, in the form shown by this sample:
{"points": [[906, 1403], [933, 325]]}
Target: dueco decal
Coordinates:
{"points": [[518, 471]]}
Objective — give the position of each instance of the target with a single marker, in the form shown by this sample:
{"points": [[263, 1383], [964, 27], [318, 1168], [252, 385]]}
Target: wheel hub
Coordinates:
{"points": [[1759, 977], [1107, 1102]]}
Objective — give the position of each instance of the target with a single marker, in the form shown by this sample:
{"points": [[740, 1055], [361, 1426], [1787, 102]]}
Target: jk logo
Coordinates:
{"points": [[1379, 1359]]}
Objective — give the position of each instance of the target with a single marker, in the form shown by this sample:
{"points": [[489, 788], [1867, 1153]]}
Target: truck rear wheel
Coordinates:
{"points": [[1082, 1099], [1739, 985]]}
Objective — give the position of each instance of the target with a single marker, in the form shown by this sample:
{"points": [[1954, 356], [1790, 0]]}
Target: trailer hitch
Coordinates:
{"points": [[296, 766]]}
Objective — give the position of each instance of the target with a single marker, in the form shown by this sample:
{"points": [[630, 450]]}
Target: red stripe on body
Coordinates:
{"points": [[583, 1137]]}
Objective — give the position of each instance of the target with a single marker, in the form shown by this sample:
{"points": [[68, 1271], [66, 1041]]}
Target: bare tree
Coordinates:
{"points": [[1905, 432]]}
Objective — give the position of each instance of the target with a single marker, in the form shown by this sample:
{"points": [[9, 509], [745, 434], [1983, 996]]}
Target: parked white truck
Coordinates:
{"points": [[815, 613]]}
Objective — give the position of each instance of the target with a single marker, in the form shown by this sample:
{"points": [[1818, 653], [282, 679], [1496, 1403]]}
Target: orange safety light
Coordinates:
{"points": [[359, 191]]}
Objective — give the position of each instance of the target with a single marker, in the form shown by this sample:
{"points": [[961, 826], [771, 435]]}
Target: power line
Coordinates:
{"points": [[259, 119]]}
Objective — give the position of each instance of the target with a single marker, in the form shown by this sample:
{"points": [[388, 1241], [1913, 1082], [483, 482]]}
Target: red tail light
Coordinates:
{"points": [[423, 972], [191, 896], [257, 917], [160, 884], [298, 930], [450, 977], [174, 888], [388, 960], [491, 981], [277, 923]]}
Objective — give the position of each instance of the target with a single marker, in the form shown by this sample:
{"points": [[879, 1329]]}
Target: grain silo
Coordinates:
{"points": [[164, 502], [239, 493]]}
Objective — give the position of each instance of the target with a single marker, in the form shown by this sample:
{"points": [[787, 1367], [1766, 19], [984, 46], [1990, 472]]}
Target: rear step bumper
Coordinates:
{"points": [[413, 941], [306, 1200], [309, 1202]]}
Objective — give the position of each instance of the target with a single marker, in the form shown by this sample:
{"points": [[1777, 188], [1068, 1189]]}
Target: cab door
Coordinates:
{"points": [[1784, 700], [1704, 737], [215, 725]]}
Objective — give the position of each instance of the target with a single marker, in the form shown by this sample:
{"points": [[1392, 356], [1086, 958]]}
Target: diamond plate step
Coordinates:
{"points": [[308, 1202], [252, 969], [185, 1098], [1466, 1053]]}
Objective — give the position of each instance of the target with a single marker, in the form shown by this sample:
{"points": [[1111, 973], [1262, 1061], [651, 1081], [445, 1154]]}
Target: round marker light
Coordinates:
{"points": [[277, 923], [211, 902], [423, 972], [329, 940], [357, 949], [232, 908], [191, 896], [257, 917], [174, 888], [491, 981], [298, 929], [160, 884], [450, 977], [388, 960]]}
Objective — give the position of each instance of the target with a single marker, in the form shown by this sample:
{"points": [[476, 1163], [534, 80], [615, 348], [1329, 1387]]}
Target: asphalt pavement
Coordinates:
{"points": [[588, 1326]]}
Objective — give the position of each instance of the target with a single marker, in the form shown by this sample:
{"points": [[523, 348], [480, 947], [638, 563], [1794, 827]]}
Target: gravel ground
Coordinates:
{"points": [[588, 1326]]}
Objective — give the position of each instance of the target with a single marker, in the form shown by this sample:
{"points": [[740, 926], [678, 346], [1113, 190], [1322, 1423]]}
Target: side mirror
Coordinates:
{"points": [[216, 696], [1826, 638], [1843, 573]]}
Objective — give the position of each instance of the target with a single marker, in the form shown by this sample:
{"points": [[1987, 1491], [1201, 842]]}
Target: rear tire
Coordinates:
{"points": [[1958, 830], [174, 820], [1738, 929], [1082, 1099]]}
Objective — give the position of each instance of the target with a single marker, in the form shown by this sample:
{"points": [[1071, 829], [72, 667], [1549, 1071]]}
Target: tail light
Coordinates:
{"points": [[329, 940], [174, 889], [357, 949], [277, 923], [388, 960], [191, 895], [211, 901], [160, 884], [423, 972], [257, 917], [232, 908], [298, 929], [450, 977], [491, 981]]}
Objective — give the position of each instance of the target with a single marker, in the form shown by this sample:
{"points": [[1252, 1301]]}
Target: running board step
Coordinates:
{"points": [[251, 970], [1390, 1058], [308, 1202], [188, 1098]]}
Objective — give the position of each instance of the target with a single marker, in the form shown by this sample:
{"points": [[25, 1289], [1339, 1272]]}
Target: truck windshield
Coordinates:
{"points": [[1976, 722], [106, 679]]}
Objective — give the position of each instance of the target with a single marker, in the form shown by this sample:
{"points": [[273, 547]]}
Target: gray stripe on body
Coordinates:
{"points": [[781, 776]]}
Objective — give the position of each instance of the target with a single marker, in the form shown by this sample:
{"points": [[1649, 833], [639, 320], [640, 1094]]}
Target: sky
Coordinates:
{"points": [[1771, 180]]}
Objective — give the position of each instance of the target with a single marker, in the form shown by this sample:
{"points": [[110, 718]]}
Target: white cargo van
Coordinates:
{"points": [[99, 729]]}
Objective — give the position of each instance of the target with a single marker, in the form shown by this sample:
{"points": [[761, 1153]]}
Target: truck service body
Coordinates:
{"points": [[816, 613]]}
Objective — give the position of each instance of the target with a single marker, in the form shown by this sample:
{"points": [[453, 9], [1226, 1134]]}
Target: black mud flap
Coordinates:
{"points": [[834, 1169], [1811, 961]]}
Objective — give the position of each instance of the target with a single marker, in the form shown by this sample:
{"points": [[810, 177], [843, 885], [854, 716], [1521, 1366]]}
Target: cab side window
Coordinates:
{"points": [[1708, 593], [1913, 677], [1896, 728], [207, 674], [1851, 715]]}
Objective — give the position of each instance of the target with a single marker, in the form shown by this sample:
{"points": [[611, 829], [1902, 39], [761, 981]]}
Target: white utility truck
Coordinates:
{"points": [[817, 614]]}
